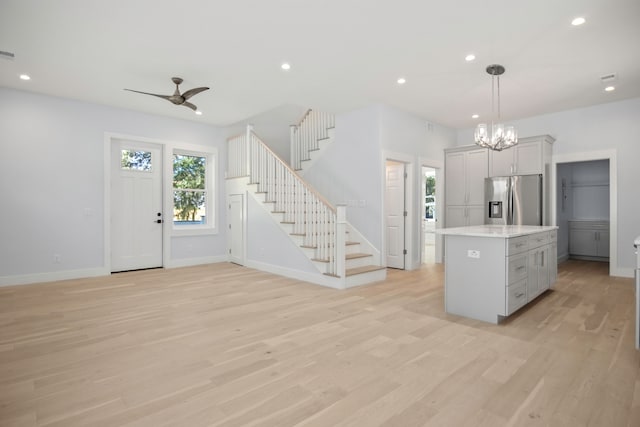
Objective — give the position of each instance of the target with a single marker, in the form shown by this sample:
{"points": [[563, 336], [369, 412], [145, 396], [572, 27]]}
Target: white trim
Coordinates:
{"points": [[29, 279], [211, 207], [167, 188], [610, 155], [409, 163], [438, 165]]}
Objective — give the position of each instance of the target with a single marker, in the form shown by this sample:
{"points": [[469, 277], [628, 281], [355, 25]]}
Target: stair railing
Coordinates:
{"points": [[306, 135], [321, 226]]}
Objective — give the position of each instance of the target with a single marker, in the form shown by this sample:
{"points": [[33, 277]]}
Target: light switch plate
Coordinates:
{"points": [[471, 253]]}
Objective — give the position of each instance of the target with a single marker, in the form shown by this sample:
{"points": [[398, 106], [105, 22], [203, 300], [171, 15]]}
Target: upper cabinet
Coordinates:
{"points": [[531, 156], [465, 171]]}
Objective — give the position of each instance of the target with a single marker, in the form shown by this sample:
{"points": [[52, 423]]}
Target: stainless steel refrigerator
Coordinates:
{"points": [[513, 200]]}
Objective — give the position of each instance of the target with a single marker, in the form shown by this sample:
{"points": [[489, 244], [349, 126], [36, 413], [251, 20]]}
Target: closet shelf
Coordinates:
{"points": [[593, 184]]}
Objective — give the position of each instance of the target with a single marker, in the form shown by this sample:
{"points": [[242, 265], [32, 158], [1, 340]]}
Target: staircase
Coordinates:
{"points": [[309, 138], [341, 255]]}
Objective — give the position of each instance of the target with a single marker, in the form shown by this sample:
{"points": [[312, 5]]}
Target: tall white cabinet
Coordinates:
{"points": [[465, 171]]}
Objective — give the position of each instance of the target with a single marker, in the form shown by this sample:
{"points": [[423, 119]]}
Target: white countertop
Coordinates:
{"points": [[502, 231]]}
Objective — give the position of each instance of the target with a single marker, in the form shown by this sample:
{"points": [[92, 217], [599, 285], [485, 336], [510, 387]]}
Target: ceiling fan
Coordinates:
{"points": [[177, 98]]}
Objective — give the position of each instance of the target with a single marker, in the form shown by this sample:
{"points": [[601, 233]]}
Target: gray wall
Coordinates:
{"points": [[52, 172]]}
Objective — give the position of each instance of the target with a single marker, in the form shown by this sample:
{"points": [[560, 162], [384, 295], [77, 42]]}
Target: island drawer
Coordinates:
{"points": [[539, 239], [517, 245], [517, 266], [516, 296]]}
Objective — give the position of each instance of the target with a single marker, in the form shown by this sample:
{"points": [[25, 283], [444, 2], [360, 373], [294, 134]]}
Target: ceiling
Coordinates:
{"points": [[344, 54]]}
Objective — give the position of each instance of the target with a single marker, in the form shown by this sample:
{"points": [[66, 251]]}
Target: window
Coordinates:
{"points": [[192, 188], [136, 160]]}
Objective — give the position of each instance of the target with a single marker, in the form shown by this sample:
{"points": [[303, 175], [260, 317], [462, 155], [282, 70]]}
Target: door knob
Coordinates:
{"points": [[159, 221]]}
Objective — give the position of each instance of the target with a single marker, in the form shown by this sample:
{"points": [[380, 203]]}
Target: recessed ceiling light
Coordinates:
{"points": [[610, 88], [402, 81], [286, 66], [578, 21], [198, 113], [470, 57], [475, 116], [24, 77]]}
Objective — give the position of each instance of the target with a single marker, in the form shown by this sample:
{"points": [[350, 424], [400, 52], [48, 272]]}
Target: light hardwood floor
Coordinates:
{"points": [[228, 346]]}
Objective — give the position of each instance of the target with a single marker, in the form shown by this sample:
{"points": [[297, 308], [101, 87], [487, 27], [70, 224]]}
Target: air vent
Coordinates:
{"points": [[609, 78], [7, 55]]}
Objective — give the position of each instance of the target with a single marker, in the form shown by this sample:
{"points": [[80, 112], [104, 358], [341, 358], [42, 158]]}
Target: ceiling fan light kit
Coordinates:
{"points": [[177, 98], [498, 136]]}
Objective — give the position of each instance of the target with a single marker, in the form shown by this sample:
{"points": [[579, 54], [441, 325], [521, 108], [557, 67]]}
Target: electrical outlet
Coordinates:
{"points": [[471, 253]]}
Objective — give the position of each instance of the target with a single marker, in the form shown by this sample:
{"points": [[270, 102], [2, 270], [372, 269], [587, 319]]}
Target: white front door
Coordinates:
{"points": [[394, 214], [236, 229], [136, 205]]}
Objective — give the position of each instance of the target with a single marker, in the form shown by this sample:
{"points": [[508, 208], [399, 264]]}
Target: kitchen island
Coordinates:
{"points": [[493, 270]]}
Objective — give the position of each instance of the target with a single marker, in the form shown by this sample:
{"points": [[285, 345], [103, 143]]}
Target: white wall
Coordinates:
{"points": [[407, 137], [351, 170], [612, 126], [273, 128], [268, 245], [52, 173]]}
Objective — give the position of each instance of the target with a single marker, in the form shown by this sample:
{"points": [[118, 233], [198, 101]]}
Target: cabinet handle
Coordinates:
{"points": [[520, 295], [522, 267], [542, 259]]}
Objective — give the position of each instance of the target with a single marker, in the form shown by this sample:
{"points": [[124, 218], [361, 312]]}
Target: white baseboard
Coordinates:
{"points": [[53, 276], [621, 272], [96, 272], [317, 279]]}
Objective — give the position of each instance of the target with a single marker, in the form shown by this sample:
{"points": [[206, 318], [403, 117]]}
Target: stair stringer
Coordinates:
{"points": [[307, 271], [313, 155]]}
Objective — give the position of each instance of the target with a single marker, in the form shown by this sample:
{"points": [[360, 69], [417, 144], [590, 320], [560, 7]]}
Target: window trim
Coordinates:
{"points": [[210, 188]]}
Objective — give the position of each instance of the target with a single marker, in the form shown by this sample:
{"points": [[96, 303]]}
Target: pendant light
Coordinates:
{"points": [[498, 136]]}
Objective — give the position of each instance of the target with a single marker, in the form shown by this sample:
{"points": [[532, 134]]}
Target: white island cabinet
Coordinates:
{"points": [[493, 270]]}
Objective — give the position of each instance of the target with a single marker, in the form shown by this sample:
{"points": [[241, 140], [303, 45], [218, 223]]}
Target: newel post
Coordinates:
{"points": [[248, 148], [341, 237]]}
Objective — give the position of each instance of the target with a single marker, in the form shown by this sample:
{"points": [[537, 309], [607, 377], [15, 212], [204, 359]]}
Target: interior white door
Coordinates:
{"points": [[236, 229], [136, 205], [394, 214]]}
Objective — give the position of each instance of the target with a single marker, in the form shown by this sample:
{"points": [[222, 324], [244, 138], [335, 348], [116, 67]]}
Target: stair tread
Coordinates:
{"points": [[356, 255], [363, 269], [347, 256]]}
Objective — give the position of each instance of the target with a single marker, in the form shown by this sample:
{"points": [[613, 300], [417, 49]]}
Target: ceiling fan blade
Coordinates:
{"points": [[190, 105], [152, 94], [188, 94]]}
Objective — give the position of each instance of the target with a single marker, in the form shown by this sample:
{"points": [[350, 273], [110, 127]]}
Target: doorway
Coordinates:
{"points": [[560, 219], [582, 213], [429, 215], [236, 229], [395, 214], [136, 205]]}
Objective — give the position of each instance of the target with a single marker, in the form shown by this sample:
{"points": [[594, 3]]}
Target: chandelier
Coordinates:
{"points": [[501, 136]]}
